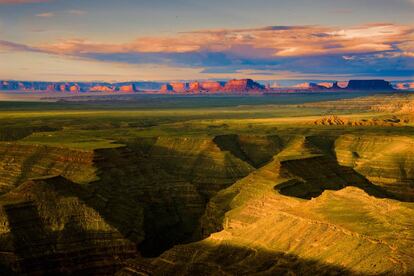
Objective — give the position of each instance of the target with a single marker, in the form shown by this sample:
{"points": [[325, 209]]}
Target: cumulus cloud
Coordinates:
{"points": [[366, 49]]}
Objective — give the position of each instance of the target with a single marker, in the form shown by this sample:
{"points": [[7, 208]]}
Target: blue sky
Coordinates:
{"points": [[182, 39]]}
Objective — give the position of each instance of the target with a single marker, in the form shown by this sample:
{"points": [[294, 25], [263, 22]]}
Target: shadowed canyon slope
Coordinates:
{"points": [[89, 211], [256, 229]]}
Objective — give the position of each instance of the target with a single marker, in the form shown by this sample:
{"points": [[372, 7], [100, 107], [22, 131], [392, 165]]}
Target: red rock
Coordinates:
{"points": [[242, 85], [179, 86], [101, 88], [212, 85], [128, 88], [405, 86], [166, 88], [195, 86], [62, 88], [75, 88], [326, 84]]}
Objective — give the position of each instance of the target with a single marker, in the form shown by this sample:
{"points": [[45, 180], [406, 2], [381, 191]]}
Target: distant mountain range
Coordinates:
{"points": [[235, 86]]}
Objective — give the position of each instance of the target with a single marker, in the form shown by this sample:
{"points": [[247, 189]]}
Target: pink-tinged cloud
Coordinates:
{"points": [[278, 41], [373, 49]]}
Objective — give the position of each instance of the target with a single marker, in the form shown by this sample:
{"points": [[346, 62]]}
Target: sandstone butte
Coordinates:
{"points": [[101, 88], [241, 85], [75, 88], [128, 88], [231, 86], [166, 88], [179, 86]]}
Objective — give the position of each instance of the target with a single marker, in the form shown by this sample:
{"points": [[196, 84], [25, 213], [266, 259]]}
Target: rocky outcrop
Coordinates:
{"points": [[75, 88], [101, 88], [404, 86], [397, 104], [259, 204], [128, 88], [384, 160], [327, 84], [312, 86], [239, 86], [390, 121], [195, 86], [18, 163], [369, 85], [166, 88], [258, 226], [179, 87], [242, 85], [213, 86], [47, 228]]}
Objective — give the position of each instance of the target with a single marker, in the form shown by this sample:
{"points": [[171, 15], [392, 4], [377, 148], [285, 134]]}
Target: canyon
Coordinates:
{"points": [[133, 192]]}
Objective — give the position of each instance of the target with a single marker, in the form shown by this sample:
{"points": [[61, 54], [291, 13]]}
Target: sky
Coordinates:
{"points": [[160, 40]]}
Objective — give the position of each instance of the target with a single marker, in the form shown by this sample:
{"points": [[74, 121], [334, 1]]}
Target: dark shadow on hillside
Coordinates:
{"points": [[228, 259], [255, 150], [154, 201], [40, 251], [310, 177]]}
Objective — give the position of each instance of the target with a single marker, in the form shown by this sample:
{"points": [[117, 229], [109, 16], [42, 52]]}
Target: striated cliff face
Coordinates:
{"points": [[195, 86], [404, 85], [261, 231], [259, 204], [166, 88], [46, 227], [242, 85], [128, 88], [18, 163], [179, 86], [101, 88], [150, 193], [384, 160], [212, 85]]}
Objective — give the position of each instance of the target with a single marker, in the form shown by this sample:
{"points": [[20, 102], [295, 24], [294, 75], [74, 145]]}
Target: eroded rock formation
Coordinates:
{"points": [[242, 85], [369, 85], [224, 204]]}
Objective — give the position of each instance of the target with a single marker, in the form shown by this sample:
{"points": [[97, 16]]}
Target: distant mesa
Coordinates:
{"points": [[179, 86], [369, 85], [128, 88], [243, 85], [102, 88], [212, 85], [405, 86], [167, 88], [341, 84], [195, 86], [234, 86], [326, 84], [312, 86]]}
